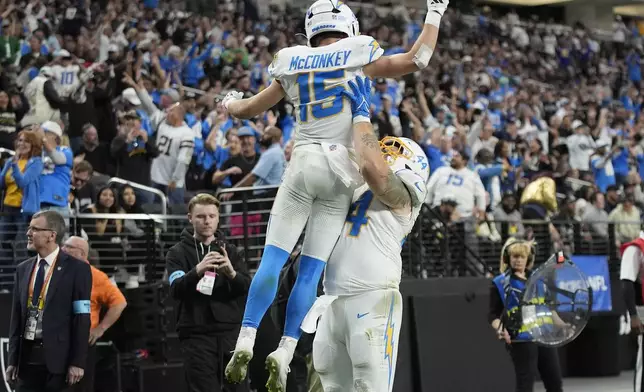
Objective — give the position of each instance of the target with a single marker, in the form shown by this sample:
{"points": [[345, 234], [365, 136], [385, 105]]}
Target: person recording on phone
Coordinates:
{"points": [[209, 280], [506, 291]]}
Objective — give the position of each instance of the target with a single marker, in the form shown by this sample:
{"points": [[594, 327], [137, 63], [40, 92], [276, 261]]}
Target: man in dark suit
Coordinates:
{"points": [[50, 318]]}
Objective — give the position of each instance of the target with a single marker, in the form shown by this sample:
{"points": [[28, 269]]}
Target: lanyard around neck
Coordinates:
{"points": [[45, 285]]}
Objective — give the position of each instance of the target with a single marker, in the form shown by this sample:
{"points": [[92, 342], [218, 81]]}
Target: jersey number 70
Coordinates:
{"points": [[313, 89]]}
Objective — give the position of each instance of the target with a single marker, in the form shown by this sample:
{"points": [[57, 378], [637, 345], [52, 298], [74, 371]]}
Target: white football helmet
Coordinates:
{"points": [[330, 15], [404, 153]]}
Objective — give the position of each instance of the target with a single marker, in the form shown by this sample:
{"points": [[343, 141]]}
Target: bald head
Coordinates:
{"points": [[76, 247], [271, 136]]}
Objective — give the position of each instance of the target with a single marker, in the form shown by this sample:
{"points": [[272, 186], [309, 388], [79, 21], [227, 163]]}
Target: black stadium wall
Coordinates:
{"points": [[446, 344]]}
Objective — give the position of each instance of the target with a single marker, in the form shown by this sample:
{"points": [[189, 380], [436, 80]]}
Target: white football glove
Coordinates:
{"points": [[231, 97], [435, 11]]}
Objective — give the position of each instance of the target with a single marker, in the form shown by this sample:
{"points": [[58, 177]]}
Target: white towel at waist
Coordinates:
{"points": [[342, 162], [310, 322]]}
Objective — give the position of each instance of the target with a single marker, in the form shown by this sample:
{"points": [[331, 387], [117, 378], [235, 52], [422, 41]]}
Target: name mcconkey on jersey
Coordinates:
{"points": [[316, 61], [314, 78]]}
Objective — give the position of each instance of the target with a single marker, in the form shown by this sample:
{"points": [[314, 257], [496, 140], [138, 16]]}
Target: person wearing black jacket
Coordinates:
{"points": [[210, 309], [51, 300], [133, 150]]}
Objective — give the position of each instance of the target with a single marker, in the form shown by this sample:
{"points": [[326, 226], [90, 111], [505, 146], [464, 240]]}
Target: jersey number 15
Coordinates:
{"points": [[455, 180], [313, 89]]}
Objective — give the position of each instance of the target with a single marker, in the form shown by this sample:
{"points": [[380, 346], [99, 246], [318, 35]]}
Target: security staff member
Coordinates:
{"points": [[209, 280], [517, 260], [50, 317], [632, 259]]}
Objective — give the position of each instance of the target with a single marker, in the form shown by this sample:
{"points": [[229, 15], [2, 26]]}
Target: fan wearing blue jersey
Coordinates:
{"points": [[56, 177], [319, 183]]}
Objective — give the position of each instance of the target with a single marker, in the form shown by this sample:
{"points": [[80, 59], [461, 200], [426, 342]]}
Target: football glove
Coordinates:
{"points": [[231, 97], [435, 11], [360, 98]]}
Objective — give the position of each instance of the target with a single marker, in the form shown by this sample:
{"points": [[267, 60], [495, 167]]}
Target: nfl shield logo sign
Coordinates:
{"points": [[4, 357], [333, 147]]}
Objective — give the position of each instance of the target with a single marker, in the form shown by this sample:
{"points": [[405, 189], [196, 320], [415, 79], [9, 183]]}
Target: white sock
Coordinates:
{"points": [[288, 343], [247, 333]]}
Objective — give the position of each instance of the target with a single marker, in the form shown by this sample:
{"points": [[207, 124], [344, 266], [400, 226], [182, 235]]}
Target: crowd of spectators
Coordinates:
{"points": [[93, 89], [521, 100]]}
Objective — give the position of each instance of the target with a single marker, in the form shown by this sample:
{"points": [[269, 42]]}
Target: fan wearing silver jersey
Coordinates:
{"points": [[356, 343], [67, 73], [319, 183], [459, 183]]}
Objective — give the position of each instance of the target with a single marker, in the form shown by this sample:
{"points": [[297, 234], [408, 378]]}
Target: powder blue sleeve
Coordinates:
{"points": [[81, 307]]}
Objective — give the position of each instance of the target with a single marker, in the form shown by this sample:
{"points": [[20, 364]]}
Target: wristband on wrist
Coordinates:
{"points": [[361, 119], [433, 18]]}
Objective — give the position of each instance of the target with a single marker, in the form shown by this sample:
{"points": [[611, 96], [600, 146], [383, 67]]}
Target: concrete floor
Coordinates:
{"points": [[622, 383]]}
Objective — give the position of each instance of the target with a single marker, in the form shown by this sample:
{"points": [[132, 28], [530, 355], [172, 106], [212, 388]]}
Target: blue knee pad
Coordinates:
{"points": [[303, 295], [263, 287]]}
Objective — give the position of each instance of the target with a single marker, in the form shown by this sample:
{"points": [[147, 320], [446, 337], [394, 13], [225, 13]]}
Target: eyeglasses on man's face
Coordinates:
{"points": [[36, 229]]}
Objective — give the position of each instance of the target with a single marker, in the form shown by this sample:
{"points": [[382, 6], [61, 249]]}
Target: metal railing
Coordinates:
{"points": [[246, 218], [7, 151], [576, 183], [131, 248], [145, 188]]}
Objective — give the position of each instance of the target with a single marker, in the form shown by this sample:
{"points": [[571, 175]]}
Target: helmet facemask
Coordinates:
{"points": [[393, 148]]}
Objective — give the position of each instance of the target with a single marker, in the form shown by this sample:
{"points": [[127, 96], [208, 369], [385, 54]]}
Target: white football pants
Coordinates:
{"points": [[356, 343], [310, 191]]}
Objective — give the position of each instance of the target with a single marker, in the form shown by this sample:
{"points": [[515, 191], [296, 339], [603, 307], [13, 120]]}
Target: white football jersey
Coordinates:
{"points": [[66, 79], [463, 186], [367, 254], [314, 78], [175, 145]]}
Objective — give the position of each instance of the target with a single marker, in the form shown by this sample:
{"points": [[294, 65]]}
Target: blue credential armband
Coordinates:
{"points": [[81, 307], [175, 275]]}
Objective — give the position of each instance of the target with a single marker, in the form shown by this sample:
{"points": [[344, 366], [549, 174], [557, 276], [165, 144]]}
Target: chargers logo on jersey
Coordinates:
{"points": [[273, 65], [374, 48], [389, 339]]}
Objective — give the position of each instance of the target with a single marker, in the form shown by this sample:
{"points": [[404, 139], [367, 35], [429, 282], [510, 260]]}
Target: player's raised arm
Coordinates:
{"points": [[419, 55], [256, 105], [384, 183]]}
